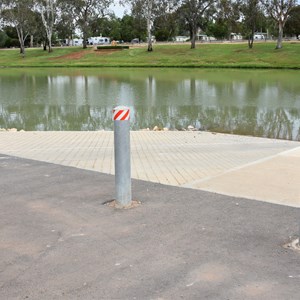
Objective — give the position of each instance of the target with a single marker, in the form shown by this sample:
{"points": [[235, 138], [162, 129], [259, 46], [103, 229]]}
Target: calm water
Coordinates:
{"points": [[251, 102]]}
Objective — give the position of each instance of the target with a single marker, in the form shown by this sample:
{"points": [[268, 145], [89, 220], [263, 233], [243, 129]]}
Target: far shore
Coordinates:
{"points": [[165, 55]]}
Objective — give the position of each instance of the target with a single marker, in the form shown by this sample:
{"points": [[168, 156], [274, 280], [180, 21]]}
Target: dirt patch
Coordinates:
{"points": [[293, 245], [115, 204], [81, 54], [72, 56]]}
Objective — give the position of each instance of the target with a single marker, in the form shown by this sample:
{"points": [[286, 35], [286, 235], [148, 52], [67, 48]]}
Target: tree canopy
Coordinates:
{"points": [[48, 22]]}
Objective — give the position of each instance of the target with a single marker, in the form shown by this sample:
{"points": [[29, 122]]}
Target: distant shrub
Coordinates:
{"points": [[12, 43], [112, 47], [3, 38]]}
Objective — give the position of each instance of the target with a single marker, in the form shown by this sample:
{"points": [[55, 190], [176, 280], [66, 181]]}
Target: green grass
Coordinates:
{"points": [[263, 55]]}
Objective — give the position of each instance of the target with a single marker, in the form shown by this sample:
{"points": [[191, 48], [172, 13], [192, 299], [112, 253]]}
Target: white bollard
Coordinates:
{"points": [[121, 117]]}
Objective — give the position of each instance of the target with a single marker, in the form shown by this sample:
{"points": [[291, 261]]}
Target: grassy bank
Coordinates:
{"points": [[263, 55]]}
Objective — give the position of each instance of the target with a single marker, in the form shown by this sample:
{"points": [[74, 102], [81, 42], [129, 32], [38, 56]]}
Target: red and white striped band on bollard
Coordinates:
{"points": [[121, 113], [122, 155]]}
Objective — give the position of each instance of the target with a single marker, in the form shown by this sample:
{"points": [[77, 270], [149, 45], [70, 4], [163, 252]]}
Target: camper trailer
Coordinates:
{"points": [[77, 42], [99, 40], [71, 42]]}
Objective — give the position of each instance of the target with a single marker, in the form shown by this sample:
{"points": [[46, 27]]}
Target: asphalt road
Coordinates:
{"points": [[58, 240]]}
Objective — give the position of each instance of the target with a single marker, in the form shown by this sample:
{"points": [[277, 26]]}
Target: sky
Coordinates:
{"points": [[119, 10]]}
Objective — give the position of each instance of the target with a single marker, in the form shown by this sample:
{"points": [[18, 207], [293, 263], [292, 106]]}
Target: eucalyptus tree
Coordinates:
{"points": [[166, 26], [107, 26], [193, 12], [139, 22], [228, 13], [147, 10], [65, 27], [279, 11], [128, 28], [38, 33], [48, 11], [84, 12], [250, 11], [151, 9], [18, 13], [293, 22]]}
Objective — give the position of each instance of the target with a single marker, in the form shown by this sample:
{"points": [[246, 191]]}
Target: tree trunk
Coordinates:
{"points": [[150, 47], [50, 44], [84, 38], [48, 22], [250, 42], [84, 35], [49, 37], [280, 35], [22, 49], [31, 41], [251, 39], [193, 40], [21, 40]]}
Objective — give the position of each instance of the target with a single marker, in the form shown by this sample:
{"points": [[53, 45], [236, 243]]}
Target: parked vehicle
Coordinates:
{"points": [[135, 41], [259, 37], [99, 40], [77, 42], [71, 42]]}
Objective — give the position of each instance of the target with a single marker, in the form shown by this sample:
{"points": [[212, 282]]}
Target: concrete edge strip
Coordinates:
{"points": [[272, 201], [259, 161]]}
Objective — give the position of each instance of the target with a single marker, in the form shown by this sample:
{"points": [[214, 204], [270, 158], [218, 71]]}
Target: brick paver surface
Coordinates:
{"points": [[189, 159]]}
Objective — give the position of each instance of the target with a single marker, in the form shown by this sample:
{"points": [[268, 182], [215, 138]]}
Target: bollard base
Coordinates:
{"points": [[116, 204]]}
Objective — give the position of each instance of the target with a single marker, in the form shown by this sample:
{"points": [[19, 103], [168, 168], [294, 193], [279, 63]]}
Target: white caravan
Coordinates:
{"points": [[99, 40]]}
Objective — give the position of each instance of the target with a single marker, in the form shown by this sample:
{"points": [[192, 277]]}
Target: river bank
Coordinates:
{"points": [[226, 55]]}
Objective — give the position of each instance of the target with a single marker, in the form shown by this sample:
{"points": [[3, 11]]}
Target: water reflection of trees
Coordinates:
{"points": [[232, 102], [278, 123]]}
